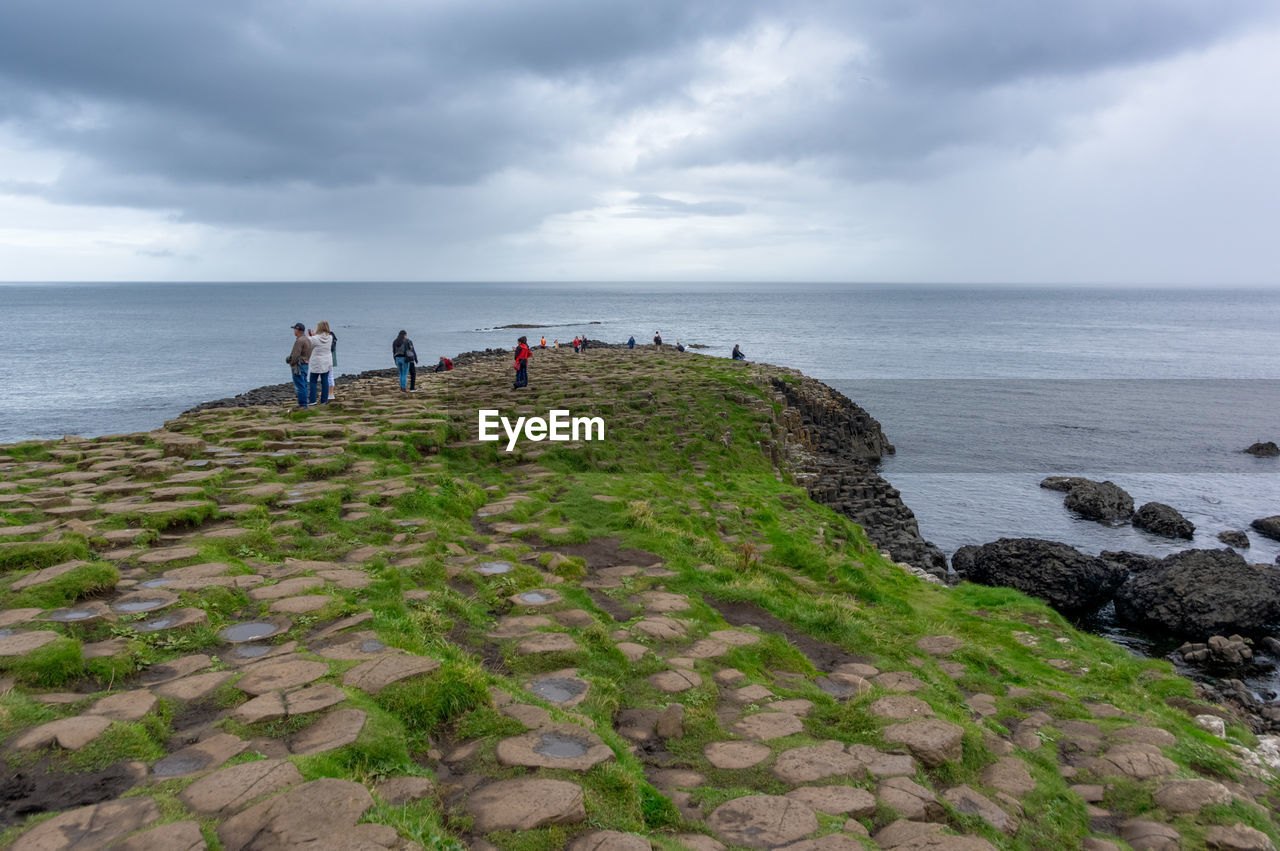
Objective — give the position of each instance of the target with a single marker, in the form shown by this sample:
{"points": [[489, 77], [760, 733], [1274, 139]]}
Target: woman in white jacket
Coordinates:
{"points": [[324, 343]]}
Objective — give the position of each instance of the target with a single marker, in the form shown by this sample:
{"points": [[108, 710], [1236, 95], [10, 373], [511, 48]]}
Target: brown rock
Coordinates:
{"points": [[335, 730], [195, 687], [675, 681], [547, 642], [90, 827], [939, 645], [281, 674], [609, 840], [660, 628], [1146, 735], [901, 707], [564, 746], [230, 790], [300, 605], [22, 643], [203, 755], [264, 707], [836, 800], [397, 791], [911, 835], [762, 821], [670, 724], [1238, 837], [830, 842], [817, 762], [765, 726], [736, 755], [1145, 835], [1132, 759], [285, 588], [376, 674], [1190, 796], [125, 706], [319, 814], [174, 836], [525, 804], [931, 741], [1009, 775], [910, 799], [971, 802], [313, 698], [69, 733]]}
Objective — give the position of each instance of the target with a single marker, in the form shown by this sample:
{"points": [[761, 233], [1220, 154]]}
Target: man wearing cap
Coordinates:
{"points": [[299, 360]]}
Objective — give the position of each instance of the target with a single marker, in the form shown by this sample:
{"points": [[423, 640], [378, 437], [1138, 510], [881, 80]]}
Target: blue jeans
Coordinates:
{"points": [[323, 378], [300, 385], [402, 364], [522, 374]]}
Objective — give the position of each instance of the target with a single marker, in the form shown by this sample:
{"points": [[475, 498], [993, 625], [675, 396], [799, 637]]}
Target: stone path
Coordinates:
{"points": [[268, 598]]}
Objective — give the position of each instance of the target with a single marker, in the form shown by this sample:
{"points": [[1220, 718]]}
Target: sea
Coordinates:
{"points": [[984, 391]]}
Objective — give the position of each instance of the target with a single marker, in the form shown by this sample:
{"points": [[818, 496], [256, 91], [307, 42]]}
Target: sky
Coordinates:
{"points": [[989, 141]]}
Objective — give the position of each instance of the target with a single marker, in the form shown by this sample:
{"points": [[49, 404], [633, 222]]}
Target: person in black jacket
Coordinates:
{"points": [[402, 350]]}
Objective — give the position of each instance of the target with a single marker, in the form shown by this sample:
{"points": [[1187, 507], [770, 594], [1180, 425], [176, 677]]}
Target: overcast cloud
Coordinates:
{"points": [[1125, 141]]}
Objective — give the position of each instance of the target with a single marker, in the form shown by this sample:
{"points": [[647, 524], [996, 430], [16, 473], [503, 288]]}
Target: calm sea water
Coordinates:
{"points": [[984, 391]]}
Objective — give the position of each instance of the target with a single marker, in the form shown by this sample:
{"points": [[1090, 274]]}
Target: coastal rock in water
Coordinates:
{"points": [[1201, 592], [1062, 483], [1234, 538], [1105, 502], [1062, 576], [1268, 526], [1264, 450], [1160, 519], [1135, 562], [1220, 652]]}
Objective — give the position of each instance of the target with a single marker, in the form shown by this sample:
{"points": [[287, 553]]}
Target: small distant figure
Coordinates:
{"points": [[657, 339], [679, 346], [737, 354], [522, 364], [583, 342], [332, 381], [322, 345], [631, 344], [576, 344], [557, 344], [299, 359], [405, 355], [543, 345], [445, 364]]}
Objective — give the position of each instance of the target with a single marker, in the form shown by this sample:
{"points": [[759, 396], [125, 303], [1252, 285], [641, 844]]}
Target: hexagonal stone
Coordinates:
{"points": [[22, 643], [1146, 735], [319, 814], [660, 628], [313, 698], [971, 802], [547, 642], [910, 799], [232, 789], [817, 762], [1191, 796], [752, 694], [300, 605], [525, 804], [1010, 775], [939, 645], [264, 707], [897, 681], [836, 800], [9, 617], [285, 588], [164, 555], [69, 733], [931, 741], [176, 668], [768, 725], [376, 674], [736, 755], [202, 756], [281, 674], [900, 707], [335, 730], [664, 601], [1237, 837], [1144, 835], [675, 681], [762, 821], [1133, 759], [125, 706], [734, 637], [913, 835], [707, 648], [565, 746], [94, 826], [48, 574]]}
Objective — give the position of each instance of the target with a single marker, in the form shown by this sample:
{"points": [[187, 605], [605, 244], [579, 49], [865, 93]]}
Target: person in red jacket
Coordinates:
{"points": [[522, 364]]}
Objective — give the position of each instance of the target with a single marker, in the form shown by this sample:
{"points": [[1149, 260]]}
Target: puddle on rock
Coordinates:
{"points": [[179, 763], [558, 746], [493, 568], [68, 615], [372, 645], [158, 623], [159, 582], [557, 689], [5, 633], [251, 651], [534, 597], [137, 606], [248, 631]]}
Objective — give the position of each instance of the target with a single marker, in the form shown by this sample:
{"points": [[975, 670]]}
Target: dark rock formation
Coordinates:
{"points": [[1234, 538], [1264, 450], [1132, 561], [1105, 502], [1062, 576], [831, 446], [1268, 526], [1160, 519], [1220, 653], [1202, 592], [1062, 483]]}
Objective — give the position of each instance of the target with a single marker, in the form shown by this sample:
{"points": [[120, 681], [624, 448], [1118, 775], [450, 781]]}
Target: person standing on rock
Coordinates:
{"points": [[631, 344], [522, 364], [299, 360], [321, 364], [402, 350], [544, 343], [657, 339], [576, 343]]}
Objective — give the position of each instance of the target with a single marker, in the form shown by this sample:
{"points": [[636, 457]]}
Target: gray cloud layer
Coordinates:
{"points": [[339, 117]]}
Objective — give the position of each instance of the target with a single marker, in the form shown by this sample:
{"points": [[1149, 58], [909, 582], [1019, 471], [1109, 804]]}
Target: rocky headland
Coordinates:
{"points": [[359, 626]]}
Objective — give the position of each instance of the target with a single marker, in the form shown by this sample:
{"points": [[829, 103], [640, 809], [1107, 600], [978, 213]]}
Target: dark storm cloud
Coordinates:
{"points": [[237, 111]]}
